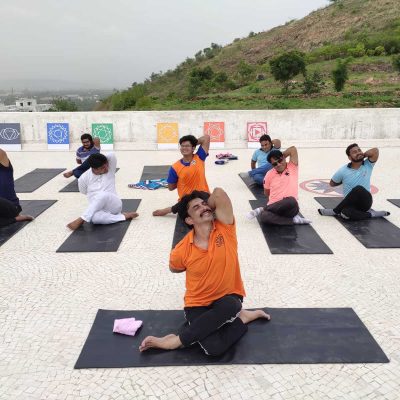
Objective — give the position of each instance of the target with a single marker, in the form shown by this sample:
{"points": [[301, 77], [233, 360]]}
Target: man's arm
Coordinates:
{"points": [[82, 184], [204, 142], [112, 162], [4, 159], [267, 192], [253, 164], [276, 143], [291, 152], [372, 154], [78, 161], [333, 183], [176, 271], [221, 203], [96, 142], [172, 186]]}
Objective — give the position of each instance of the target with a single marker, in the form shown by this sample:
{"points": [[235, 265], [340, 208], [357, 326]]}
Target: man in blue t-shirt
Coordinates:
{"points": [[89, 146], [259, 163], [356, 180]]}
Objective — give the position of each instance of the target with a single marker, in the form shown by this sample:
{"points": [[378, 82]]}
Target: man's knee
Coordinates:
{"points": [[359, 190], [229, 306]]}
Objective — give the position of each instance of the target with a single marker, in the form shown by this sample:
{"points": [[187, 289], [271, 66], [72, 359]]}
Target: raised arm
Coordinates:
{"points": [[221, 203], [4, 159], [112, 162], [372, 154], [291, 152], [204, 141], [276, 143], [96, 142]]}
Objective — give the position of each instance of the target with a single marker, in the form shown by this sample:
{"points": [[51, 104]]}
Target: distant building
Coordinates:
{"points": [[25, 105]]}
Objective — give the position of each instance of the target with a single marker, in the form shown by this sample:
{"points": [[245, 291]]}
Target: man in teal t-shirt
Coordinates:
{"points": [[356, 179]]}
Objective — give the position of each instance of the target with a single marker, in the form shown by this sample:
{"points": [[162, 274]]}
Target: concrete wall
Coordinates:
{"points": [[137, 130]]}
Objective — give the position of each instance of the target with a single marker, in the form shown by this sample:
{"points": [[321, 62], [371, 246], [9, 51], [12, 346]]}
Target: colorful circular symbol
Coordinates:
{"points": [[9, 134], [321, 186]]}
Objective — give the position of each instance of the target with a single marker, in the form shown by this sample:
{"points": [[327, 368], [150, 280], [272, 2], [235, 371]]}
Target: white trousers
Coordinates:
{"points": [[104, 208]]}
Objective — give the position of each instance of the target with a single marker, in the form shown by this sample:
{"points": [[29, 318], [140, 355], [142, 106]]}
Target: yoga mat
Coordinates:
{"points": [[293, 336], [154, 172], [396, 202], [258, 191], [29, 207], [374, 233], [73, 186], [36, 178], [99, 238], [181, 230], [291, 239]]}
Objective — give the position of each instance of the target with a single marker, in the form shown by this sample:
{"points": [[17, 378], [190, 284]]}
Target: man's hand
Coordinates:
{"points": [[96, 142]]}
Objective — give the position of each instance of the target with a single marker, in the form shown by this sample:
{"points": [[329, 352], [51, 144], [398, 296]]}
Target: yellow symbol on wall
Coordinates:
{"points": [[167, 132]]}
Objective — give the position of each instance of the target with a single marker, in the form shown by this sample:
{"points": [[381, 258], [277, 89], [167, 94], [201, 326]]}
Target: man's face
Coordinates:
{"points": [[101, 170], [86, 143], [279, 164], [186, 148], [199, 212], [356, 154], [266, 146]]}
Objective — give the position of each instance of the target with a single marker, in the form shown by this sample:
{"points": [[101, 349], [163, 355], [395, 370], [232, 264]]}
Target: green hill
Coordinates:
{"points": [[238, 76]]}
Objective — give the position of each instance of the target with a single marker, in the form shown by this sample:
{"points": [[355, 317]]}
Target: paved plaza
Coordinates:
{"points": [[48, 300]]}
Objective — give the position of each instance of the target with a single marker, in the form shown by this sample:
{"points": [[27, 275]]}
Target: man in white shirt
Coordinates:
{"points": [[98, 183]]}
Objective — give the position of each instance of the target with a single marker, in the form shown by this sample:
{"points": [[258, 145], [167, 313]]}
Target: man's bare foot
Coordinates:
{"points": [[161, 212], [68, 174], [250, 315], [74, 225], [169, 342], [21, 217], [130, 215]]}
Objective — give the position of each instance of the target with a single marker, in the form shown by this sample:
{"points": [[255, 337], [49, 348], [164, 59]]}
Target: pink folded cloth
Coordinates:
{"points": [[127, 326]]}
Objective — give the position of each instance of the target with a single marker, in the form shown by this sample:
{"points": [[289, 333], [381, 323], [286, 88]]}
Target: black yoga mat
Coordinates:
{"points": [[29, 207], [293, 336], [73, 186], [257, 190], [181, 230], [374, 233], [291, 239], [396, 202], [36, 178], [99, 238], [154, 172]]}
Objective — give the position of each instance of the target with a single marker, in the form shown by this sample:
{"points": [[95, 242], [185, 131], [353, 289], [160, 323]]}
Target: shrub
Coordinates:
{"points": [[340, 75]]}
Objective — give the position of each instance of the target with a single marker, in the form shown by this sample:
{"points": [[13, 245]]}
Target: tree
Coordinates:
{"points": [[63, 105], [244, 71], [286, 66], [340, 75], [396, 62], [313, 83]]}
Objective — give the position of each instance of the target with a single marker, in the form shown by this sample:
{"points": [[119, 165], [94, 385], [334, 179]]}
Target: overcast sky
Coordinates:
{"points": [[114, 43]]}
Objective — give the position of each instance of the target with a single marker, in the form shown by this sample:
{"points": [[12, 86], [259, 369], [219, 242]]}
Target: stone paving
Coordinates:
{"points": [[48, 301]]}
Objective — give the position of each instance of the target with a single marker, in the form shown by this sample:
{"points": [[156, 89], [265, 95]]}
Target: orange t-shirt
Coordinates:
{"points": [[190, 177], [212, 273]]}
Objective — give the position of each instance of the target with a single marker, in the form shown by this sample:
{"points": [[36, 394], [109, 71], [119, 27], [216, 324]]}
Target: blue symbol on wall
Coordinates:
{"points": [[57, 133]]}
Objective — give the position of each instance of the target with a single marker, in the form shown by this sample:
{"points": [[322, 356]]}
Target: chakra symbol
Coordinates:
{"points": [[103, 132], [9, 134], [256, 129], [321, 186], [58, 133], [215, 130]]}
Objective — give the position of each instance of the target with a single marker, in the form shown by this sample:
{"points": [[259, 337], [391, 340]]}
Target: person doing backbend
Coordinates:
{"points": [[356, 179], [98, 183], [281, 189], [188, 173], [214, 288]]}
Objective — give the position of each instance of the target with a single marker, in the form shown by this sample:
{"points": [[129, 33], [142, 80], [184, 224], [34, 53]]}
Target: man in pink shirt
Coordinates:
{"points": [[281, 189]]}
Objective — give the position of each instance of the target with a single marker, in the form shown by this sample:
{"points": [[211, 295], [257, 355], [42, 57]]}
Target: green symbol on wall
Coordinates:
{"points": [[104, 132]]}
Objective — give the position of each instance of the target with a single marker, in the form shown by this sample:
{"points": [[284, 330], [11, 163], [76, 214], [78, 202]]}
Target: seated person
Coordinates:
{"points": [[10, 208], [281, 189], [89, 146], [188, 173], [214, 288], [356, 179], [260, 158], [98, 183]]}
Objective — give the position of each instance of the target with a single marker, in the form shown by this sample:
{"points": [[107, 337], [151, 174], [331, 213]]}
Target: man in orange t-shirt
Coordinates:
{"points": [[281, 189], [188, 173], [214, 287]]}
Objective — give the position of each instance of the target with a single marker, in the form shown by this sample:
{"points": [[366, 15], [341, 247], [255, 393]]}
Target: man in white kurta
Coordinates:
{"points": [[98, 183]]}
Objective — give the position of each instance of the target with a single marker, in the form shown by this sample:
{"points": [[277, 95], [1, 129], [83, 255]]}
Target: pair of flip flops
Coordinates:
{"points": [[226, 156]]}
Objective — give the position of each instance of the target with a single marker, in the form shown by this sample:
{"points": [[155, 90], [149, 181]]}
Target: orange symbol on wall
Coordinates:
{"points": [[167, 132], [216, 131], [255, 130]]}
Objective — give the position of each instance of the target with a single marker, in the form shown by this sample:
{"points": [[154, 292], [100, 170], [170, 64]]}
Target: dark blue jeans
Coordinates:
{"points": [[258, 174]]}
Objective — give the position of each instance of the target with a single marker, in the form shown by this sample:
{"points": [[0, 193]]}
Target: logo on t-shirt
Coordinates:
{"points": [[193, 162], [219, 240]]}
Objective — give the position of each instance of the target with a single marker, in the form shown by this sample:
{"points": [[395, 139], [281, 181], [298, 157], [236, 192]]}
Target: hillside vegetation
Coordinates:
{"points": [[363, 34]]}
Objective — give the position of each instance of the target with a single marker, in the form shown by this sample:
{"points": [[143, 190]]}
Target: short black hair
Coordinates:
{"points": [[183, 204], [87, 136], [349, 147], [189, 138], [97, 160], [265, 138], [274, 154]]}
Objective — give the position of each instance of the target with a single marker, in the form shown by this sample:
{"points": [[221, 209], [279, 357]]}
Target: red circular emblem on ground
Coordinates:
{"points": [[321, 186]]}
